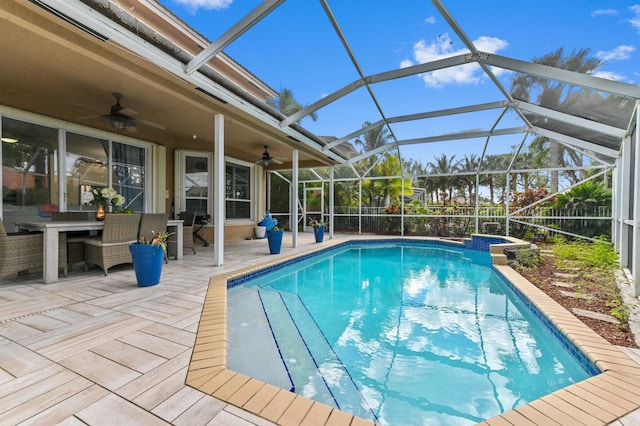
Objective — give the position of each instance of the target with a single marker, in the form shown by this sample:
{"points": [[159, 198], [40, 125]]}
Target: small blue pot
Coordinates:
{"points": [[275, 240], [318, 232]]}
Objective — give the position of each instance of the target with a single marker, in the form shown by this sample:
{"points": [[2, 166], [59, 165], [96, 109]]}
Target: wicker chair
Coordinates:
{"points": [[189, 218], [75, 240], [23, 251], [150, 223], [112, 248]]}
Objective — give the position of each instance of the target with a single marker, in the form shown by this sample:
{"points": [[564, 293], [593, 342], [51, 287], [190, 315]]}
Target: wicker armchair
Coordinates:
{"points": [[23, 251], [112, 248], [189, 218], [150, 223], [75, 244]]}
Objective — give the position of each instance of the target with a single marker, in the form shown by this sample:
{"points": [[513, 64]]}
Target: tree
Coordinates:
{"points": [[584, 197], [287, 105], [584, 200], [372, 139], [418, 170], [555, 95], [469, 164], [440, 166]]}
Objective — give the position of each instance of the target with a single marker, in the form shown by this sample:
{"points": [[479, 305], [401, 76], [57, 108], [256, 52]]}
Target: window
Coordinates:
{"points": [[29, 171], [238, 191], [87, 167], [196, 183], [194, 177], [128, 175]]}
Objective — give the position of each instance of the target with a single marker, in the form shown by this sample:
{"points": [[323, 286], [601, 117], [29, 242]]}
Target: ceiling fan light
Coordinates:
{"points": [[118, 121], [118, 124]]}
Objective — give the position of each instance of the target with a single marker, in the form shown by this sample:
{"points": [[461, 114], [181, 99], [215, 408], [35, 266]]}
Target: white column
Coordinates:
{"points": [[331, 200], [62, 171], [402, 207], [622, 200], [506, 205], [294, 201], [477, 209], [218, 190], [635, 242]]}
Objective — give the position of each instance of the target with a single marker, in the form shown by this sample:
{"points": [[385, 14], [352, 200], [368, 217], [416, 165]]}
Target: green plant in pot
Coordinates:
{"points": [[318, 229], [274, 238], [148, 257]]}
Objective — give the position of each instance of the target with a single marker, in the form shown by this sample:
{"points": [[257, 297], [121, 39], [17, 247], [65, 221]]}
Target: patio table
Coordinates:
{"points": [[51, 232]]}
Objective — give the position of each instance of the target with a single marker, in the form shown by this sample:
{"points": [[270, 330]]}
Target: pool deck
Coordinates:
{"points": [[99, 350]]}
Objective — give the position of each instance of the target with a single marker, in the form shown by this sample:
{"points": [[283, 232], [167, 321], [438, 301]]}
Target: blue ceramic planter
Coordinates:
{"points": [[275, 240], [147, 263], [318, 232]]}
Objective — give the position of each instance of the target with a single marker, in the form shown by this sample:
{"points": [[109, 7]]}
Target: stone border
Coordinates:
{"points": [[598, 400]]}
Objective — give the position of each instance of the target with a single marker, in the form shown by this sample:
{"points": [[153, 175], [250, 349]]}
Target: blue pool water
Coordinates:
{"points": [[406, 334]]}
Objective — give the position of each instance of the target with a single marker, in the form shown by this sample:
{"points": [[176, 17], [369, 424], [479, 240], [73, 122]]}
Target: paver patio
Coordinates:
{"points": [[99, 350]]}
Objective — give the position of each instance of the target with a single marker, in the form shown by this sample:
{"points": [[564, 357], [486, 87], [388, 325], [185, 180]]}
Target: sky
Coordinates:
{"points": [[296, 48]]}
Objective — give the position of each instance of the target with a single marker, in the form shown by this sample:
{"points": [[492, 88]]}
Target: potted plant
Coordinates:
{"points": [[268, 221], [101, 198], [318, 229], [274, 237], [148, 257]]}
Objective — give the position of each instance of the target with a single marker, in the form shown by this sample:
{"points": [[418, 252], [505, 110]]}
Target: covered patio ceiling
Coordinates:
{"points": [[62, 71], [56, 69]]}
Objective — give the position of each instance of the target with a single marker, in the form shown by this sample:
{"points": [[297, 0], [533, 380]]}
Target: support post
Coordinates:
{"points": [[295, 201], [218, 190], [635, 243], [331, 200]]}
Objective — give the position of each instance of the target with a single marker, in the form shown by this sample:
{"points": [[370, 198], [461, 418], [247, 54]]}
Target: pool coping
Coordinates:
{"points": [[598, 400]]}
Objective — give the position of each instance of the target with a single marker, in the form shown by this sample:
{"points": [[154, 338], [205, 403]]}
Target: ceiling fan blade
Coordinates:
{"points": [[152, 124], [87, 117], [85, 106], [127, 111]]}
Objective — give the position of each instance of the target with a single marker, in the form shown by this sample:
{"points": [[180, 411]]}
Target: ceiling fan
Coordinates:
{"points": [[116, 118], [267, 159]]}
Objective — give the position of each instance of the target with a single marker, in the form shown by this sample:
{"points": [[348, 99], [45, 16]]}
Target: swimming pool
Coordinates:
{"points": [[411, 347]]}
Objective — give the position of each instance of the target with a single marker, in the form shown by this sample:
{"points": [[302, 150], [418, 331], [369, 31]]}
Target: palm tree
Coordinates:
{"points": [[416, 169], [372, 139], [444, 165], [555, 95], [469, 164], [390, 189], [495, 163], [287, 105]]}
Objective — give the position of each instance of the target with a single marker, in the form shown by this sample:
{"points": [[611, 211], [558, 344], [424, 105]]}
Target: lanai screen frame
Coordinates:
{"points": [[613, 145]]}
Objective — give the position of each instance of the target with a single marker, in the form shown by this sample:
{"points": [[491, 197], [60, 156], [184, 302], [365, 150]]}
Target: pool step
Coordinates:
{"points": [[293, 350], [311, 361], [329, 365]]}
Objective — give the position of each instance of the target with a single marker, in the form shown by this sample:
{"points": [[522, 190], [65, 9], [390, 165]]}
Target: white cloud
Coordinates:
{"points": [[619, 53], [635, 21], [443, 47], [430, 20], [406, 63], [194, 5], [600, 12], [609, 75]]}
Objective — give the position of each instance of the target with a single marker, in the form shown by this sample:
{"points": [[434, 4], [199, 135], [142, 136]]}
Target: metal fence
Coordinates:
{"points": [[460, 221]]}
